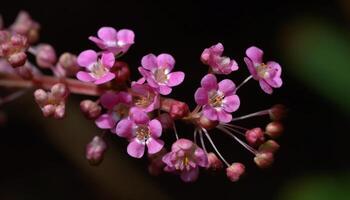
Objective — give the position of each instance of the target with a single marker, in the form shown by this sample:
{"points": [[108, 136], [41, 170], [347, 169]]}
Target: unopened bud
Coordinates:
{"points": [[121, 71], [176, 109], [48, 110], [59, 91], [269, 146], [255, 136], [274, 129], [204, 122], [90, 109], [263, 159], [235, 171], [95, 150], [17, 59], [277, 112], [214, 162], [67, 64], [45, 56], [59, 111], [40, 96]]}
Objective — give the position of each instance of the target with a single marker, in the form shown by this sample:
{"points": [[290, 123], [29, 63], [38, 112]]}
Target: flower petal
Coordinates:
{"points": [[201, 157], [264, 86], [209, 82], [175, 78], [224, 116], [108, 59], [124, 128], [84, 76], [149, 62], [154, 145], [98, 42], [136, 149], [86, 58], [227, 87], [276, 67], [251, 68], [155, 128], [210, 113], [126, 36], [164, 90], [105, 121], [231, 103], [201, 96], [166, 61], [255, 54], [139, 116], [107, 34], [104, 79], [190, 176]]}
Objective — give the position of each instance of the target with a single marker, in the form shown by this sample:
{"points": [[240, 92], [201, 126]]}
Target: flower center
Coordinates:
{"points": [[143, 133], [120, 111], [263, 70], [98, 70], [216, 99], [143, 100], [160, 75]]}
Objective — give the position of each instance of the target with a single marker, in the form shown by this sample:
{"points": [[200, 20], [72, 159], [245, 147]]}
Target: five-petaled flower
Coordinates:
{"points": [[114, 41], [185, 158], [118, 105], [219, 64], [141, 132], [268, 75], [144, 97], [218, 99], [99, 69], [156, 71]]}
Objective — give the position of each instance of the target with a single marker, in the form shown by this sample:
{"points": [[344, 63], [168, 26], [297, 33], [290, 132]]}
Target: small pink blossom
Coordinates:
{"points": [[235, 171], [185, 158], [218, 99], [268, 75], [141, 132], [118, 105], [98, 69], [144, 97], [156, 71], [219, 64], [114, 41]]}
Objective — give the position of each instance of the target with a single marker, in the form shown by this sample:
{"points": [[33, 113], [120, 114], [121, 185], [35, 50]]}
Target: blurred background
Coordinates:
{"points": [[44, 159]]}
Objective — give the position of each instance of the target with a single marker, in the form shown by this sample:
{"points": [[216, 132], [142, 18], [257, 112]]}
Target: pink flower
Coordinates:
{"points": [[141, 132], [144, 97], [99, 69], [118, 105], [185, 158], [219, 64], [268, 75], [114, 41], [156, 70], [218, 99]]}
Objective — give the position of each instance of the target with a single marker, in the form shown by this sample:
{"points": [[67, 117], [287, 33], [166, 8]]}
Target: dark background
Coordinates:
{"points": [[44, 159]]}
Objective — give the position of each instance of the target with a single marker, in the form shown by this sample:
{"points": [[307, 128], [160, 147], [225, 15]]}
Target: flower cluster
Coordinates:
{"points": [[140, 111]]}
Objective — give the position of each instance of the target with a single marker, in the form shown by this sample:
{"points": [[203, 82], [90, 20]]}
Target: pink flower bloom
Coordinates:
{"points": [[218, 99], [156, 70], [141, 132], [219, 64], [118, 105], [144, 97], [99, 69], [268, 75], [114, 41], [185, 158]]}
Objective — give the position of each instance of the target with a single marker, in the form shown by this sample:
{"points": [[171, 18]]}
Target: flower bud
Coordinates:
{"points": [[204, 122], [255, 136], [214, 162], [269, 146], [24, 25], [48, 110], [90, 109], [67, 64], [234, 171], [274, 129], [59, 111], [263, 159], [277, 112], [45, 56], [59, 91], [179, 110], [40, 96], [17, 59], [165, 120], [121, 71], [95, 150]]}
